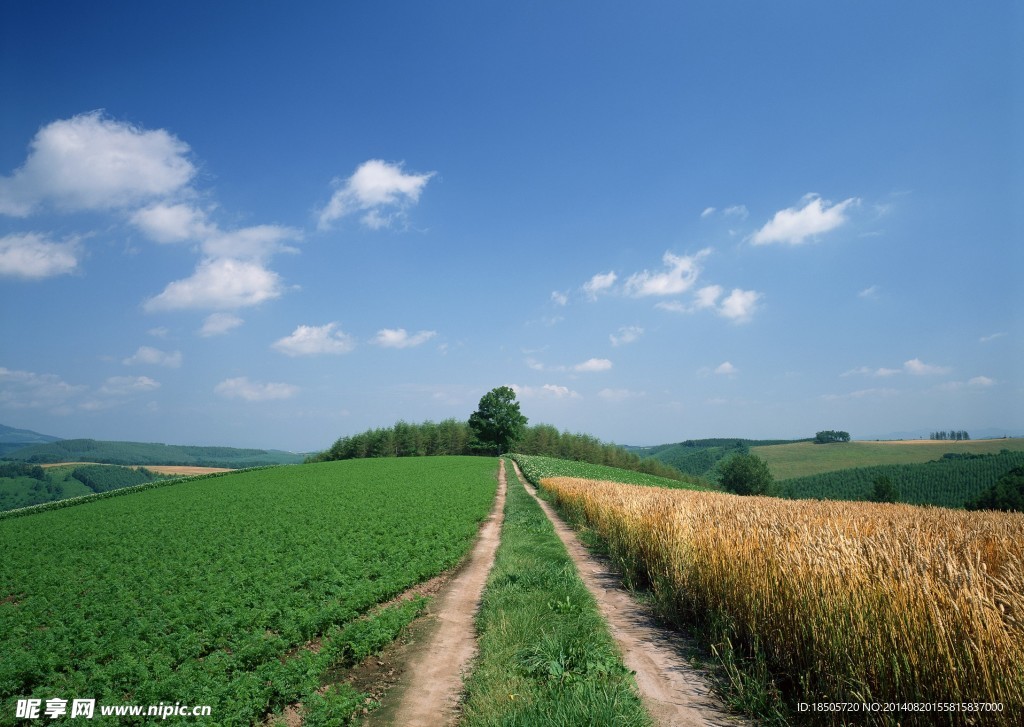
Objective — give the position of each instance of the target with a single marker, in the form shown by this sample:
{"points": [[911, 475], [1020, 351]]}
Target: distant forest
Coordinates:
{"points": [[141, 453], [454, 437]]}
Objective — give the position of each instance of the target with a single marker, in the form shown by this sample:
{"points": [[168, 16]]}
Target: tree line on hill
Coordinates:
{"points": [[951, 436], [496, 427], [831, 436]]}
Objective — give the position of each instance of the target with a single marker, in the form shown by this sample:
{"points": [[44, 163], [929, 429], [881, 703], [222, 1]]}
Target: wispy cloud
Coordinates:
{"points": [[217, 324], [400, 338], [546, 391], [869, 293], [315, 340], [559, 298], [617, 395], [242, 388], [592, 365], [626, 334], [599, 283], [128, 385], [917, 367], [147, 355], [30, 390], [992, 337], [794, 225], [381, 191]]}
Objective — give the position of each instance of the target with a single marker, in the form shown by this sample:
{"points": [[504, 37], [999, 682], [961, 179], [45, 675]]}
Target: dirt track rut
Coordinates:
{"points": [[675, 694]]}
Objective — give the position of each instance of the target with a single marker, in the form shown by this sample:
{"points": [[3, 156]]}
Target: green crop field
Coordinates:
{"points": [[203, 592], [535, 467], [804, 458]]}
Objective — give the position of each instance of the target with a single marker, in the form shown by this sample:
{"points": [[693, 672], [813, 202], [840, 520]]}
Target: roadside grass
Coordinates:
{"points": [[546, 656], [801, 459]]}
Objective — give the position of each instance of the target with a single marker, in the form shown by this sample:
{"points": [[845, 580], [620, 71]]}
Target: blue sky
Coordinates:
{"points": [[260, 224]]}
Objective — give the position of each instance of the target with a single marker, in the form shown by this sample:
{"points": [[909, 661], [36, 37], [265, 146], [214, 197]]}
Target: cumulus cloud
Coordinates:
{"points": [[593, 365], [168, 223], [34, 256], [794, 225], [726, 369], [224, 283], [599, 283], [377, 189], [400, 338], [90, 162], [217, 324], [147, 355], [314, 340], [981, 382], [242, 388], [626, 334], [682, 272], [739, 305]]}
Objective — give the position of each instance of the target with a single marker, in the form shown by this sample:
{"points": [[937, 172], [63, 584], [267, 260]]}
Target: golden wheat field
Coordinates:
{"points": [[848, 601]]}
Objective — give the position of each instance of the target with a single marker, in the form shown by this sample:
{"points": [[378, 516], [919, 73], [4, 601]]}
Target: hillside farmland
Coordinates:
{"points": [[206, 591]]}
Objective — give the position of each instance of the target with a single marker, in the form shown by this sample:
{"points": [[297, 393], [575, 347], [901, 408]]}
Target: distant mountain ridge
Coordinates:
{"points": [[12, 439]]}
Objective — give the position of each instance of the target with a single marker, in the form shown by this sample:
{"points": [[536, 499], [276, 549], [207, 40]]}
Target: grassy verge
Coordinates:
{"points": [[546, 656]]}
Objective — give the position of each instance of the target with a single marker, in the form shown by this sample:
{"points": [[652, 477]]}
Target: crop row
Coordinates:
{"points": [[199, 593], [842, 602]]}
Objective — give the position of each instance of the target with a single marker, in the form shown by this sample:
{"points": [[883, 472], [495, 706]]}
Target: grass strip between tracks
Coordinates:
{"points": [[546, 656]]}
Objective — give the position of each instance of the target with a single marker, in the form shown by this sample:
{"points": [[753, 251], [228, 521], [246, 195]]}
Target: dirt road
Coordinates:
{"points": [[429, 691], [674, 693]]}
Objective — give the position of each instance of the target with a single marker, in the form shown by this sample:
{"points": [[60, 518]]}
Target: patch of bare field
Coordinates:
{"points": [[158, 468]]}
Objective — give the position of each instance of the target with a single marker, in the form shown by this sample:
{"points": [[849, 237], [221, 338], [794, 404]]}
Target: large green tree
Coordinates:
{"points": [[497, 420], [746, 474]]}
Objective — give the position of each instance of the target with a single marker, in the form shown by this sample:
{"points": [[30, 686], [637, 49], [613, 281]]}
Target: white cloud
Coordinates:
{"points": [[619, 394], [547, 391], [868, 371], [869, 293], [708, 296], [90, 162], [739, 211], [600, 283], [257, 242], [223, 283], [992, 337], [708, 211], [217, 324], [29, 390], [374, 187], [242, 388], [726, 369], [627, 334], [673, 306], [793, 226], [128, 385], [682, 273], [33, 256], [861, 394], [981, 382], [592, 365], [313, 340], [155, 357], [740, 305], [167, 223], [559, 298], [400, 338], [158, 332], [917, 367]]}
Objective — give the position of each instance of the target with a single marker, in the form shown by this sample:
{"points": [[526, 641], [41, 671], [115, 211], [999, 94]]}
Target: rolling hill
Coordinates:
{"points": [[143, 453]]}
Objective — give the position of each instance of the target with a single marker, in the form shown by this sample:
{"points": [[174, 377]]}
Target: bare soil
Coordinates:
{"points": [[674, 692]]}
